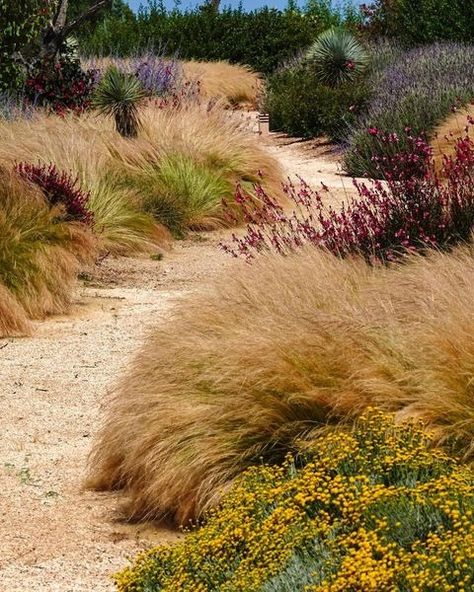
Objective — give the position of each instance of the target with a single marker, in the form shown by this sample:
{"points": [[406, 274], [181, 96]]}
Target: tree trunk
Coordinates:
{"points": [[57, 31]]}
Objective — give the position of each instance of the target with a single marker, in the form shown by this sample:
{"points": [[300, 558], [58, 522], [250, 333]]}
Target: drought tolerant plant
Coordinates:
{"points": [[185, 194], [269, 352], [40, 254], [80, 145], [371, 509], [300, 105], [118, 95], [337, 57], [59, 188], [417, 207], [186, 160], [418, 91], [158, 76]]}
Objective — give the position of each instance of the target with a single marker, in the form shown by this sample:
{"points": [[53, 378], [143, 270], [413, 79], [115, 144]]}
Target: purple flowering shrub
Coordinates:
{"points": [[59, 188], [414, 208], [417, 90], [159, 76]]}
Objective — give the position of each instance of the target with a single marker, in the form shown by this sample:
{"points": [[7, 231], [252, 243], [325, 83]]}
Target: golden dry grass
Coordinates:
{"points": [[236, 84], [449, 131], [124, 175], [275, 351], [233, 84], [40, 256]]}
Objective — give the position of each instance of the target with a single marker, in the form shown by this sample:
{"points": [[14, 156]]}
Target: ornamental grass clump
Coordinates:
{"points": [[417, 90], [373, 509], [271, 351], [420, 205], [41, 253]]}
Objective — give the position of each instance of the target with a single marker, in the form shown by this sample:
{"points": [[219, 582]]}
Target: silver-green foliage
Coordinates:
{"points": [[118, 95], [337, 57]]}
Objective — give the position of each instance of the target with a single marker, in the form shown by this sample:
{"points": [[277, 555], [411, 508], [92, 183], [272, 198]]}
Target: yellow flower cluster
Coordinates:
{"points": [[371, 510]]}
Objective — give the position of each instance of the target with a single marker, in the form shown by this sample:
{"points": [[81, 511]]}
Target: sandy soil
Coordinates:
{"points": [[53, 535]]}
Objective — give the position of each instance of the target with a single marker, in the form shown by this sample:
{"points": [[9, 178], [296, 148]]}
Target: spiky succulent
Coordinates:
{"points": [[118, 95], [337, 57]]}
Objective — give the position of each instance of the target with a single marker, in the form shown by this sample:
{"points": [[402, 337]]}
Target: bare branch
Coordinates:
{"points": [[97, 7], [61, 15]]}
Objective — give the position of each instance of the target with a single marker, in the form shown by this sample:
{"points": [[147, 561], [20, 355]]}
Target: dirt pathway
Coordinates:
{"points": [[54, 536]]}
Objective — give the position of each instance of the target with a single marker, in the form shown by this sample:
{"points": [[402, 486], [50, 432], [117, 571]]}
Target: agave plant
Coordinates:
{"points": [[118, 95], [337, 57]]}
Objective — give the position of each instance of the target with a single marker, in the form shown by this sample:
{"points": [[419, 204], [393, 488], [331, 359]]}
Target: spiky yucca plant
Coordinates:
{"points": [[118, 95], [337, 57]]}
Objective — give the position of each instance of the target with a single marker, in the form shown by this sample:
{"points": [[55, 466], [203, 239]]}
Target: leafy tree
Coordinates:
{"points": [[21, 21], [423, 21]]}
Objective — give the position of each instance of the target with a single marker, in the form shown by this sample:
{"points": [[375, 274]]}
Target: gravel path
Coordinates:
{"points": [[54, 536]]}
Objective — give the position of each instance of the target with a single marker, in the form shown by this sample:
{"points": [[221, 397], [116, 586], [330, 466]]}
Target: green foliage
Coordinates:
{"points": [[423, 21], [337, 57], [119, 220], [117, 95], [261, 39], [372, 509], [20, 23], [300, 105], [183, 194]]}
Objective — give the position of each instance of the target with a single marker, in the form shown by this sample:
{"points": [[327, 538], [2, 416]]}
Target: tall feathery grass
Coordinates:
{"points": [[233, 84], [79, 146], [275, 351], [40, 255], [180, 167]]}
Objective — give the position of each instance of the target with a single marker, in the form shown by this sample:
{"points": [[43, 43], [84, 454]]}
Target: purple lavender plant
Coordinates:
{"points": [[417, 91], [159, 76]]}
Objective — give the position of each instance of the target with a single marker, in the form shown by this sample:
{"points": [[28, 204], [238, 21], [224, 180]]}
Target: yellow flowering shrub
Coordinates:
{"points": [[374, 509]]}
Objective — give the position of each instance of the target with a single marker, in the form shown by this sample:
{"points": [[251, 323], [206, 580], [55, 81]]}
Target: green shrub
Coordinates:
{"points": [[300, 105], [262, 38], [369, 510], [423, 21], [20, 23]]}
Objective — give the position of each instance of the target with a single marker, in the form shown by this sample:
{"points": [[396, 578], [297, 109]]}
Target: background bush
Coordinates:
{"points": [[261, 38], [370, 510], [300, 105], [20, 22], [418, 90], [423, 21]]}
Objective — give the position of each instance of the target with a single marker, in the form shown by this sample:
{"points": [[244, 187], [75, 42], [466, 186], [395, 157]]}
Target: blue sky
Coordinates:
{"points": [[248, 4]]}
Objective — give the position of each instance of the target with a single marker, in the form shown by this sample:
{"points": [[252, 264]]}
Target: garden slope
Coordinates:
{"points": [[55, 537]]}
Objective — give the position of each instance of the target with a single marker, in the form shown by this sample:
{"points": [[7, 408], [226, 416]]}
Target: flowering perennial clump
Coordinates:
{"points": [[418, 88], [414, 208], [374, 509], [59, 188]]}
